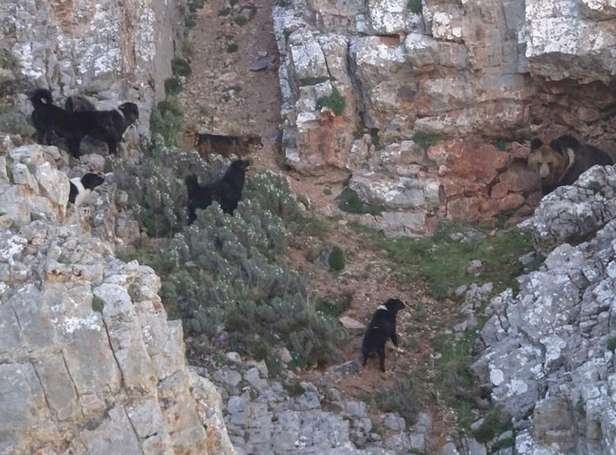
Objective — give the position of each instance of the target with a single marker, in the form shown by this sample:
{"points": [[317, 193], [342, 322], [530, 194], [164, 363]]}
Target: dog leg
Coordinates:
{"points": [[73, 146], [113, 147], [381, 353]]}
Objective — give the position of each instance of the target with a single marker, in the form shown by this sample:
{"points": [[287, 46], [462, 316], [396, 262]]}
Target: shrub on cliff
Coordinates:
{"points": [[227, 273]]}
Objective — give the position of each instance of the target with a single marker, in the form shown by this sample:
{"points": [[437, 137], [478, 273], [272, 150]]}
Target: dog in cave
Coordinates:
{"points": [[106, 126], [563, 161], [227, 191], [382, 327]]}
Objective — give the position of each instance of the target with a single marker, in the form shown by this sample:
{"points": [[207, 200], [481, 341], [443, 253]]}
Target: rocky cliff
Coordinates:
{"points": [[436, 94], [113, 51], [89, 362], [549, 350]]}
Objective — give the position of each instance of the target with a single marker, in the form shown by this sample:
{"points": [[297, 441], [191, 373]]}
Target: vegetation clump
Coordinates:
{"points": [[334, 101], [181, 67], [426, 140], [414, 6], [496, 422], [611, 344], [226, 273], [350, 202], [337, 259], [167, 119], [173, 86]]}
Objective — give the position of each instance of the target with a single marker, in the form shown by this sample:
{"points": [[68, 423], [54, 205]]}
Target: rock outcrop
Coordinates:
{"points": [[436, 93], [119, 51], [89, 363], [549, 350]]}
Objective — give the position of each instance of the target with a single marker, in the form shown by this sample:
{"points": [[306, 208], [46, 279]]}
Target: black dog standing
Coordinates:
{"points": [[381, 328], [106, 126]]}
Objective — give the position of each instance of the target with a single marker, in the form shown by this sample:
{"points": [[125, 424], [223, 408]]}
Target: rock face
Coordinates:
{"points": [[462, 77], [89, 363], [286, 417], [121, 51], [549, 350]]}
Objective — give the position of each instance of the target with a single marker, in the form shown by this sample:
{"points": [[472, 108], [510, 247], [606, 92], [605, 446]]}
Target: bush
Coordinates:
{"points": [[336, 259], [350, 202], [181, 67], [232, 47], [496, 422], [403, 398], [173, 86], [414, 6], [240, 20], [167, 120], [611, 344], [426, 140], [335, 101], [227, 271]]}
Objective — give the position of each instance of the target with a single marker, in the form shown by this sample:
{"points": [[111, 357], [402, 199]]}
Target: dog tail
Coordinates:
{"points": [[40, 97]]}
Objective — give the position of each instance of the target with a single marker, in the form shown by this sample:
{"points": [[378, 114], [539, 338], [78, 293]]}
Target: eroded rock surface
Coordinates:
{"points": [[89, 363]]}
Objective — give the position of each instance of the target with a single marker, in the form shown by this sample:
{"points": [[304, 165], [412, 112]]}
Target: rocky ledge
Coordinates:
{"points": [[88, 361]]}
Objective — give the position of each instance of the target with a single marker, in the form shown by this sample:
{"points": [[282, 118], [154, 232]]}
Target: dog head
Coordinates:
{"points": [[394, 305], [547, 162], [240, 165], [130, 111], [91, 181]]}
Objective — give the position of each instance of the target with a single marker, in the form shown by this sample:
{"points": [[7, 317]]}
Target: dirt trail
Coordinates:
{"points": [[223, 96]]}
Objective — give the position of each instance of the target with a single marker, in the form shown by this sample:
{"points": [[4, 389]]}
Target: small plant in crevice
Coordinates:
{"points": [[173, 86], [349, 201], [334, 101], [611, 344], [232, 47], [414, 6], [181, 67], [502, 144], [497, 421], [336, 259], [426, 140], [240, 20]]}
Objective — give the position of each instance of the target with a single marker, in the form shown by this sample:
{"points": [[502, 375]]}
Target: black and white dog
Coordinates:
{"points": [[106, 126], [381, 328], [81, 187]]}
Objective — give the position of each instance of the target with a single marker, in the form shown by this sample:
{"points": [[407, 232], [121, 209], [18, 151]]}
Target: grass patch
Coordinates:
{"points": [[502, 144], [232, 47], [335, 101], [403, 398], [426, 140], [181, 67], [350, 202], [611, 344], [173, 86], [333, 308], [414, 6], [337, 259], [502, 444], [312, 81], [374, 136], [240, 20], [97, 304], [441, 262], [496, 422]]}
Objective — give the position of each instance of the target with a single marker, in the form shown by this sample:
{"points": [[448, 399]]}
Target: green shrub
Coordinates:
{"points": [[349, 201], [496, 422], [228, 271], [336, 259], [403, 398], [232, 47], [502, 144], [173, 86], [167, 120], [414, 6], [97, 304], [181, 67], [335, 101], [240, 20], [502, 444], [611, 344], [426, 140]]}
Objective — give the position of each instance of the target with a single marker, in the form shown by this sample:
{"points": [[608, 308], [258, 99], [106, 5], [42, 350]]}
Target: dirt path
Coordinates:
{"points": [[223, 96]]}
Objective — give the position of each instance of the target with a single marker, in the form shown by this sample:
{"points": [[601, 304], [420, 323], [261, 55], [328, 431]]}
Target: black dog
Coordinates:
{"points": [[107, 126], [381, 328], [227, 191], [81, 187]]}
